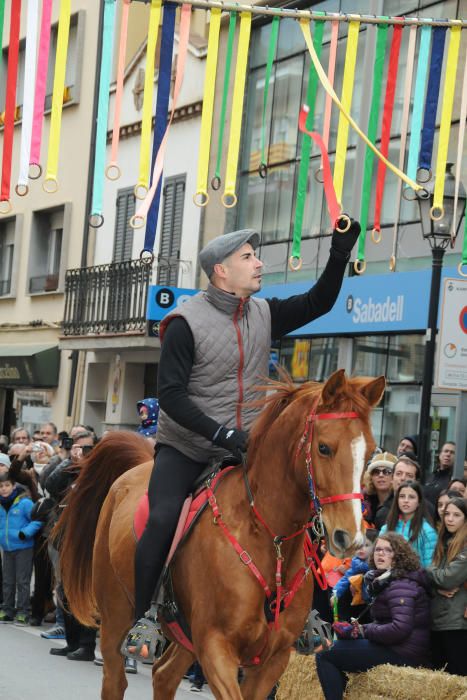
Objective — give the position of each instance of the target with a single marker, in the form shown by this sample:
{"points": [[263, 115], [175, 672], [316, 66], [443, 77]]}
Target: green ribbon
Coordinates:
{"points": [[306, 143], [216, 180], [267, 80], [381, 41]]}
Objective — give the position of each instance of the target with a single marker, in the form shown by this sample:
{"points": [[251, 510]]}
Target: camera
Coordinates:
{"points": [[67, 443], [37, 447]]}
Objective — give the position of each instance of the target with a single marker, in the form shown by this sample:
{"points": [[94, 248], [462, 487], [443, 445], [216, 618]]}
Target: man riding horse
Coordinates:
{"points": [[215, 347]]}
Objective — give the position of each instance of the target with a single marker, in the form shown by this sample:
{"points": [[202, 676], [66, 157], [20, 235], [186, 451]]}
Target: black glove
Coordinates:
{"points": [[231, 439], [21, 535], [342, 243]]}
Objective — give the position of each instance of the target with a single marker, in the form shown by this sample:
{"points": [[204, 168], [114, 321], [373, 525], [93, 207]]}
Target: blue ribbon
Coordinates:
{"points": [[102, 112], [420, 80], [432, 96], [162, 108]]}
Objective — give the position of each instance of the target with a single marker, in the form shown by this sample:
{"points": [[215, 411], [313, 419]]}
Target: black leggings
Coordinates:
{"points": [[171, 481], [448, 649]]}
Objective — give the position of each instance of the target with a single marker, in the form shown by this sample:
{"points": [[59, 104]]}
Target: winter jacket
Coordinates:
{"points": [[401, 614], [436, 483], [425, 543], [15, 517], [357, 566], [448, 613]]}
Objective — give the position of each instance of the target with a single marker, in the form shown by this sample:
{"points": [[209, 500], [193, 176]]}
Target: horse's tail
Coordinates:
{"points": [[75, 531]]}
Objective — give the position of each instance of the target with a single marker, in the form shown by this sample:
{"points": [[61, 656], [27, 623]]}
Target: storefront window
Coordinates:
{"points": [[309, 359], [401, 408], [405, 360], [370, 355]]}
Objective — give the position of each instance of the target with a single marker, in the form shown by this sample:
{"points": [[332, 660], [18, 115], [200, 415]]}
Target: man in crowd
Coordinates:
{"points": [[439, 480], [20, 436]]}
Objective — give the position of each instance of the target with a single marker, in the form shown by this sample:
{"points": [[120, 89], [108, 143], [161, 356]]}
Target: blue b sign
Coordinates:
{"points": [[162, 300]]}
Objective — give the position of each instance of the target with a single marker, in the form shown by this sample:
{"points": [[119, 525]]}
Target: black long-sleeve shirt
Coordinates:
{"points": [[177, 352]]}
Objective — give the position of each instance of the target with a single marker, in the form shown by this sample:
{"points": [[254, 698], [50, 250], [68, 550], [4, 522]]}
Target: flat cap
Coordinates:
{"points": [[221, 247]]}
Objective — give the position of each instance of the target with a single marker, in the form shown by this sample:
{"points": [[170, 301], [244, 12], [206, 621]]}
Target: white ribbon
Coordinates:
{"points": [[460, 148]]}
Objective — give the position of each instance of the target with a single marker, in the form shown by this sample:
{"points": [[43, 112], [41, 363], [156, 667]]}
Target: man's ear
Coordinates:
{"points": [[219, 270]]}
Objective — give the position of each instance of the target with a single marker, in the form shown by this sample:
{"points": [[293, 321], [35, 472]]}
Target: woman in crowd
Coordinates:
{"points": [[448, 577], [458, 485], [400, 608], [408, 517], [443, 499], [378, 483]]}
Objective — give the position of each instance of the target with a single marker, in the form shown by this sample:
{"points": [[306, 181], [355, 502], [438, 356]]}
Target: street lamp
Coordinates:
{"points": [[438, 233]]}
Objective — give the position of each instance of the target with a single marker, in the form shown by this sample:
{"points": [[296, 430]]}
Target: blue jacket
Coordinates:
{"points": [[357, 566], [17, 518], [425, 543]]}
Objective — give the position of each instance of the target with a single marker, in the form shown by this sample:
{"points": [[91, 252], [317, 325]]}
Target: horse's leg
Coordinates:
{"points": [[260, 680], [220, 666], [168, 671]]}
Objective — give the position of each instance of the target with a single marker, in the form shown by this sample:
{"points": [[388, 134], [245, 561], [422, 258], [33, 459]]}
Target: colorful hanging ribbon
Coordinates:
{"points": [[388, 110], [2, 19], [141, 188], [22, 187], [267, 79], [437, 210], [112, 171], [304, 24], [201, 197], [346, 101], [35, 169], [229, 198], [417, 114], [328, 104], [295, 262], [460, 151], [96, 219], [404, 128], [431, 105], [137, 221], [380, 53], [216, 180], [10, 106], [50, 183]]}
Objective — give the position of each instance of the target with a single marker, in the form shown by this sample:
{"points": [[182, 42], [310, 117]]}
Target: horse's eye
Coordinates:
{"points": [[324, 449]]}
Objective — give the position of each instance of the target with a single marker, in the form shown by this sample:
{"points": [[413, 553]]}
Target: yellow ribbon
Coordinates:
{"points": [[437, 211], [50, 183], [201, 197], [346, 100], [237, 111], [146, 123], [305, 27]]}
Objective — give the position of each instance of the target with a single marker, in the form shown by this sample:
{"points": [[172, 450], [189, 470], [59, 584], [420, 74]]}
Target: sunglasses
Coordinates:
{"points": [[385, 471]]}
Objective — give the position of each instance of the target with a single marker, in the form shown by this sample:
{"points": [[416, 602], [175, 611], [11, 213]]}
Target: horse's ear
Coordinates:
{"points": [[334, 384], [373, 391]]}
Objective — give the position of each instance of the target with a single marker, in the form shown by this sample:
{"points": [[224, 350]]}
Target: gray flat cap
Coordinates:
{"points": [[221, 247]]}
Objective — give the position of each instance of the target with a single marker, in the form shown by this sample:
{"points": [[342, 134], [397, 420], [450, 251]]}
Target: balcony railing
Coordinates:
{"points": [[106, 298]]}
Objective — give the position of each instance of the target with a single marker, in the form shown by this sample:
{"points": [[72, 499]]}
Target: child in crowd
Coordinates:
{"points": [[443, 499], [408, 517], [17, 532]]}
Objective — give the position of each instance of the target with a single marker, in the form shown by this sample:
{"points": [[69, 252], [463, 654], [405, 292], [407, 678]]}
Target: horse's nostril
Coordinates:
{"points": [[341, 539]]}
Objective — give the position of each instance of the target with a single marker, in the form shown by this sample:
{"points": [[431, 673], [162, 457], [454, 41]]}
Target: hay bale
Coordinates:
{"points": [[299, 680]]}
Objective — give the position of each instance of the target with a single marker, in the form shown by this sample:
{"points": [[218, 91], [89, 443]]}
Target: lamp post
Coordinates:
{"points": [[438, 232]]}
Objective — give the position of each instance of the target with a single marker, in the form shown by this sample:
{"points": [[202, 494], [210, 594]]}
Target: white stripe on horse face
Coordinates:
{"points": [[358, 447]]}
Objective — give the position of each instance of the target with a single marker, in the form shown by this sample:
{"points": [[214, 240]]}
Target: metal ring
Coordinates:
{"points": [[113, 168], [347, 223], [203, 202], [319, 177], [359, 266], [146, 256], [140, 191], [21, 189], [392, 263], [216, 183], [436, 217], [35, 175], [376, 235], [424, 170], [50, 185], [263, 170], [298, 266], [459, 269], [7, 208], [96, 220], [409, 194], [422, 193], [232, 203], [137, 221]]}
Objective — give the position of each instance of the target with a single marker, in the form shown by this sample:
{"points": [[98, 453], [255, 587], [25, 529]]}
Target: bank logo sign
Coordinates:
{"points": [[370, 311]]}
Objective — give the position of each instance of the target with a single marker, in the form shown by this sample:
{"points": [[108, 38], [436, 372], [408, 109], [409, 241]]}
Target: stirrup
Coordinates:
{"points": [[144, 641], [317, 635]]}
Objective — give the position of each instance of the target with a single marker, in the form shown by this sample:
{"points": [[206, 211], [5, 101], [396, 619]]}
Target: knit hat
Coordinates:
{"points": [[413, 440], [385, 459], [221, 247], [5, 460]]}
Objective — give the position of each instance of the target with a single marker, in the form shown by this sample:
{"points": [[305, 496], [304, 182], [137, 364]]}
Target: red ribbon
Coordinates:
{"points": [[10, 102], [387, 120]]}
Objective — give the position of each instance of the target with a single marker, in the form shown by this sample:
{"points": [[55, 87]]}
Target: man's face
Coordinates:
{"points": [[404, 446], [76, 430], [21, 437], [47, 433], [77, 453], [403, 471], [241, 272], [447, 456]]}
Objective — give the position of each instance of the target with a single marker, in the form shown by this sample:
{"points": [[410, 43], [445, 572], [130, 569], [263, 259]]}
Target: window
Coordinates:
{"points": [[123, 242], [171, 229], [309, 359], [7, 247], [46, 250]]}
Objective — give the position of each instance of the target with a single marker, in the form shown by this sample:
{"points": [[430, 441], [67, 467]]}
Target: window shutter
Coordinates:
{"points": [[123, 242], [171, 230]]}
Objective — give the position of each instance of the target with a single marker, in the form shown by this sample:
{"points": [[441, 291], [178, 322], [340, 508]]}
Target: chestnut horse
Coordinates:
{"points": [[308, 438]]}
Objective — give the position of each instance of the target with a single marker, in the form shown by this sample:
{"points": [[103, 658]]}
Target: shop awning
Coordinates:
{"points": [[32, 366]]}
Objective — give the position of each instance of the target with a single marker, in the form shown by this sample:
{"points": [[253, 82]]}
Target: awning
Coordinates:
{"points": [[32, 366]]}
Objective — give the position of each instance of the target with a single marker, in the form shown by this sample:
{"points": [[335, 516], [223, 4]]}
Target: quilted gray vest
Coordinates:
{"points": [[232, 339]]}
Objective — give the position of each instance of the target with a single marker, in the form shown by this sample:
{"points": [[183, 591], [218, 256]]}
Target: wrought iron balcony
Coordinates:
{"points": [[106, 298]]}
